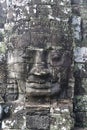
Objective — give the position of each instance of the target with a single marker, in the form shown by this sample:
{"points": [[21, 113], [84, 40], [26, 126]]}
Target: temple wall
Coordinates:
{"points": [[43, 71]]}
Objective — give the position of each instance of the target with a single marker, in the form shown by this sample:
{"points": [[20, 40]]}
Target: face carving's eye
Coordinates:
{"points": [[56, 58], [30, 55], [29, 58]]}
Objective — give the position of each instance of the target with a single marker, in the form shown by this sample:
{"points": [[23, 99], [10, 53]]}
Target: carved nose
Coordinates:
{"points": [[39, 70], [40, 64]]}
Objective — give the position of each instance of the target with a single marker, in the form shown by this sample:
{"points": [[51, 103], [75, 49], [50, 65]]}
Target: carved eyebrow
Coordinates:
{"points": [[35, 48], [54, 48], [59, 48]]}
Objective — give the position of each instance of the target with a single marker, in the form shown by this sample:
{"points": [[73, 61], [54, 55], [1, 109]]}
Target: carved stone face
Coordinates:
{"points": [[47, 70]]}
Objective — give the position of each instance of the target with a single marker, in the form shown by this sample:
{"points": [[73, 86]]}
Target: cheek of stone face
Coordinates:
{"points": [[55, 63], [29, 59], [56, 73], [60, 63]]}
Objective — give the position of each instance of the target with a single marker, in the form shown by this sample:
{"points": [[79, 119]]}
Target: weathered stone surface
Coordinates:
{"points": [[81, 119], [80, 108], [38, 118], [39, 58], [76, 1], [17, 119], [80, 103], [61, 117], [46, 43], [78, 128], [80, 54]]}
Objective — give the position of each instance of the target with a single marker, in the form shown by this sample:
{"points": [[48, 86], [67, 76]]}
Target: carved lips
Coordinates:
{"points": [[42, 85]]}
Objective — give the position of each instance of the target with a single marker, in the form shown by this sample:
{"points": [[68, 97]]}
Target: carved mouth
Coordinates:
{"points": [[37, 82], [41, 80], [42, 89], [39, 85]]}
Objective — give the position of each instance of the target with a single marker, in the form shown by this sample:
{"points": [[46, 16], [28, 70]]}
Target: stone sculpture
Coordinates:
{"points": [[39, 74]]}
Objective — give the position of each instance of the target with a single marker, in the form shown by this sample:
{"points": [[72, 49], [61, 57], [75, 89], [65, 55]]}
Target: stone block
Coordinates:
{"points": [[17, 119], [38, 118], [81, 119], [61, 118], [84, 86], [81, 86], [80, 103], [76, 1], [39, 24]]}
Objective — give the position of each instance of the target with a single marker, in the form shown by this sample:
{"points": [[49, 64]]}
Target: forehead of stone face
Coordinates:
{"points": [[44, 40], [53, 49], [20, 41]]}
